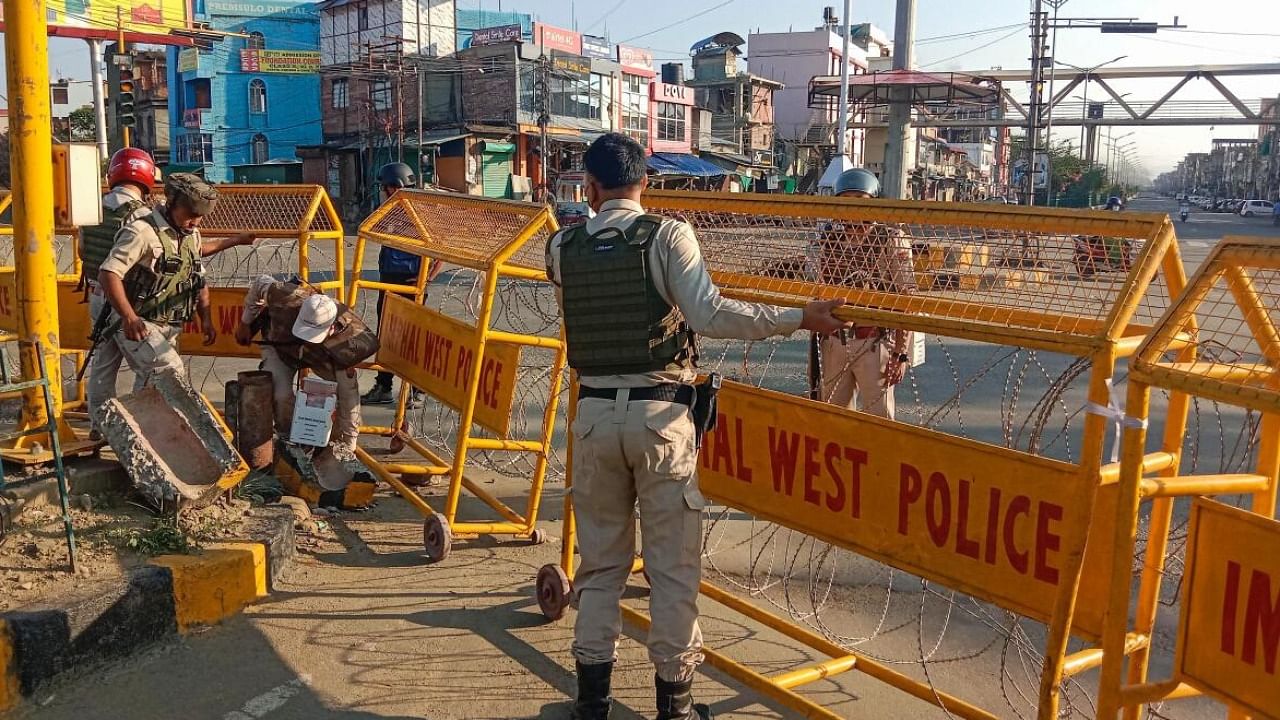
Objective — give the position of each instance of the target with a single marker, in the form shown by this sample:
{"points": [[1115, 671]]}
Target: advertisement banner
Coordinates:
{"points": [[188, 60], [1229, 629], [495, 35], [594, 46], [437, 353], [678, 94], [554, 38], [575, 65], [636, 59], [262, 8], [101, 16], [997, 524], [294, 62]]}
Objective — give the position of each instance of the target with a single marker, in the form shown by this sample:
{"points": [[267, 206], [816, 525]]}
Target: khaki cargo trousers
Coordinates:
{"points": [[624, 453]]}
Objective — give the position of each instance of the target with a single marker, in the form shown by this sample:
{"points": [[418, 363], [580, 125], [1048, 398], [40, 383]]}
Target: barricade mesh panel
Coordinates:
{"points": [[473, 231]]}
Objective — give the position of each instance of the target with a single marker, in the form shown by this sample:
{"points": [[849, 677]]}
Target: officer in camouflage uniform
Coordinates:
{"points": [[129, 241], [633, 290]]}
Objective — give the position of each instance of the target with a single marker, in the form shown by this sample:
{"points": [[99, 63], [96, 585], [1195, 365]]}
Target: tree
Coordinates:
{"points": [[1072, 179], [84, 124]]}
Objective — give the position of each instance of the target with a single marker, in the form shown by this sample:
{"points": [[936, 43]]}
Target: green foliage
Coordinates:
{"points": [[84, 124], [164, 537]]}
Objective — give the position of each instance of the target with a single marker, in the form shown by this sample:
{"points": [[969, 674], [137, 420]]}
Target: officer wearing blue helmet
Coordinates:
{"points": [[398, 268], [861, 366]]}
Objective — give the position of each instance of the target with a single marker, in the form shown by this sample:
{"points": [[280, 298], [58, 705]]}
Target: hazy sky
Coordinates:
{"points": [[1223, 32]]}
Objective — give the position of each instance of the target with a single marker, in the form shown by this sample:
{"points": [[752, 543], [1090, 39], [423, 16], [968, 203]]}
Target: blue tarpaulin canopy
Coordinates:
{"points": [[681, 164]]}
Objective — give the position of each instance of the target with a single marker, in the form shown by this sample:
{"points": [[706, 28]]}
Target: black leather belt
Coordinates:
{"points": [[669, 392]]}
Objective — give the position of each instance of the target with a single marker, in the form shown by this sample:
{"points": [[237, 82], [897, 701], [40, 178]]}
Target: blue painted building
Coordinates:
{"points": [[248, 100]]}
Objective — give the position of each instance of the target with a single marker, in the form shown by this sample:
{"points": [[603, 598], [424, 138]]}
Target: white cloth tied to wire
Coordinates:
{"points": [[1114, 409]]}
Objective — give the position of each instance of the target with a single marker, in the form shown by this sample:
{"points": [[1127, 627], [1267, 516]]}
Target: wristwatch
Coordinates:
{"points": [[903, 357]]}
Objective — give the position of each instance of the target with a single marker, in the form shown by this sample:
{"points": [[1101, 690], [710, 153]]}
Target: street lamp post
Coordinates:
{"points": [[1088, 73]]}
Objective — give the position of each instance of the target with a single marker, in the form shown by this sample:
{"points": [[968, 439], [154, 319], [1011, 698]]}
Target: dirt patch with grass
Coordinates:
{"points": [[113, 534]]}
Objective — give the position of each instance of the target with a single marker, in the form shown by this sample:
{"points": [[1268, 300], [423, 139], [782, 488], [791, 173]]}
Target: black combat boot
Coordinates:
{"points": [[593, 701], [675, 701]]}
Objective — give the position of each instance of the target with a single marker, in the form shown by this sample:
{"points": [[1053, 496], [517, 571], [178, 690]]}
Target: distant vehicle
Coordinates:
{"points": [[1115, 203], [1249, 208], [997, 200]]}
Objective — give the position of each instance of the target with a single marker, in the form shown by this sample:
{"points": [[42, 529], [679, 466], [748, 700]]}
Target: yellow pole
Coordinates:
{"points": [[26, 50], [120, 48]]}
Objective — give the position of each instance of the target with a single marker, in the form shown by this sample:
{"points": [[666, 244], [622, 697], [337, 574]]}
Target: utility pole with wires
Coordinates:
{"points": [[1035, 105], [542, 91]]}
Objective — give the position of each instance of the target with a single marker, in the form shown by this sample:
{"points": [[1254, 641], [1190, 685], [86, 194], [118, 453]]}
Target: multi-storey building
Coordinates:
{"points": [[249, 100]]}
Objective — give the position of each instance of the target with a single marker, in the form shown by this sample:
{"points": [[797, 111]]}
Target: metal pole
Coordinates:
{"points": [[1034, 107], [895, 161], [99, 97], [842, 147], [26, 50], [120, 45], [1053, 76]]}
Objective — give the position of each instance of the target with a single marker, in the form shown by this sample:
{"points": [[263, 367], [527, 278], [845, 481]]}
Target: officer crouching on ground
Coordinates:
{"points": [[304, 329], [864, 364], [153, 282], [633, 290]]}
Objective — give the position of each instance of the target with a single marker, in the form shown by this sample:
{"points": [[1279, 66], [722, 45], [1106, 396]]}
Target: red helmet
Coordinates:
{"points": [[132, 165]]}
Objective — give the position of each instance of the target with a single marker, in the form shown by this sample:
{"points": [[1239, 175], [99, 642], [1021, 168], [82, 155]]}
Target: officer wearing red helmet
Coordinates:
{"points": [[131, 176]]}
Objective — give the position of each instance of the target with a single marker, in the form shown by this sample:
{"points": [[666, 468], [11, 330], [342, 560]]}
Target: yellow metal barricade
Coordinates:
{"points": [[1219, 342], [468, 366], [1005, 526], [287, 220]]}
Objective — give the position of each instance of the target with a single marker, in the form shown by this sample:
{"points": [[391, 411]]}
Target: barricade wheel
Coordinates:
{"points": [[436, 537], [554, 589], [538, 536], [397, 440]]}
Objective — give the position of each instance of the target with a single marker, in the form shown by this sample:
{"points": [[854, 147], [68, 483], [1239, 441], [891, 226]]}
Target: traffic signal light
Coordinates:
{"points": [[124, 103]]}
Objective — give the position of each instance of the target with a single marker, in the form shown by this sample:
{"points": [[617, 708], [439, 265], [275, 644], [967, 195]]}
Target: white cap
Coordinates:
{"points": [[315, 318]]}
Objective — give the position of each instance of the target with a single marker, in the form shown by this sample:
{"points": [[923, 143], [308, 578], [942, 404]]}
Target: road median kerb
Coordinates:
{"points": [[172, 595]]}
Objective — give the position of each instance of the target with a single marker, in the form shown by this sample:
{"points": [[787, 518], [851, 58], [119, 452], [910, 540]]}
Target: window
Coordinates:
{"points": [[338, 92], [635, 108], [256, 41], [195, 148], [363, 17], [381, 94], [671, 122], [256, 96], [259, 149]]}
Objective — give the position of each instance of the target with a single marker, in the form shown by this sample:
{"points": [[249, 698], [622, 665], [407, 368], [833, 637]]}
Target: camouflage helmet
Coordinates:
{"points": [[190, 190], [858, 180]]}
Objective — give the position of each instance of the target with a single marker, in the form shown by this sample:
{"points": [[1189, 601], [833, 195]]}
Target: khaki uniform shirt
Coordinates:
{"points": [[866, 255], [681, 278], [138, 243]]}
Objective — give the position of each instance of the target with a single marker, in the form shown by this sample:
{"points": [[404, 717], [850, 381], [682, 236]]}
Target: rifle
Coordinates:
{"points": [[96, 336]]}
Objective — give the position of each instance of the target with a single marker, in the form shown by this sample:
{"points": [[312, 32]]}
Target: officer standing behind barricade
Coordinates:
{"points": [[865, 363], [633, 290], [148, 281], [305, 330], [398, 268]]}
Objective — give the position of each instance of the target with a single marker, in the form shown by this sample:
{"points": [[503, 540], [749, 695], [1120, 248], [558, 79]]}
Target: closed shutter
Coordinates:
{"points": [[495, 168], [497, 175]]}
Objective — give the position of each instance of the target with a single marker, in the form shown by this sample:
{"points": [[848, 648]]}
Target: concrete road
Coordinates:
{"points": [[1203, 229]]}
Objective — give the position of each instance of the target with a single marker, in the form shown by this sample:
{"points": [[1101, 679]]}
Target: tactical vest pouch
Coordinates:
{"points": [[616, 322]]}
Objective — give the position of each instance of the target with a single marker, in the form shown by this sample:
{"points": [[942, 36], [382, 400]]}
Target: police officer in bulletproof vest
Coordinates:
{"points": [[149, 282], [633, 290], [863, 365], [306, 330], [398, 268]]}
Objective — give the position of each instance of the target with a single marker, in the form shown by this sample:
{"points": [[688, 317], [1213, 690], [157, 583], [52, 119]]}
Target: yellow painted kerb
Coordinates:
{"points": [[10, 693], [217, 583]]}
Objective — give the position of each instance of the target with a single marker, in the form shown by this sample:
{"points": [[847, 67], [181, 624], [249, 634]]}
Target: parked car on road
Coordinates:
{"points": [[1249, 208]]}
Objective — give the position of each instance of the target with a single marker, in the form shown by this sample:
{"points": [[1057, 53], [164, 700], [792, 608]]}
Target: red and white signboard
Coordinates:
{"points": [[636, 61], [554, 38], [678, 94]]}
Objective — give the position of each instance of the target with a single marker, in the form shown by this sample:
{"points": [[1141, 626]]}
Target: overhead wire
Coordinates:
{"points": [[679, 22], [985, 45]]}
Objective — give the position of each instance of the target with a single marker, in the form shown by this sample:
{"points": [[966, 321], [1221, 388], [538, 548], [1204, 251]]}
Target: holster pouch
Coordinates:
{"points": [[704, 407]]}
